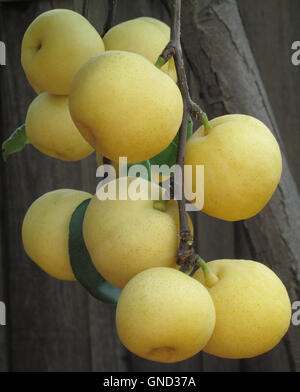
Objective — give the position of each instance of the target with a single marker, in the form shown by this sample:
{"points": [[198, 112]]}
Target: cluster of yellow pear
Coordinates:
{"points": [[115, 97], [117, 102], [239, 309], [109, 96], [166, 316]]}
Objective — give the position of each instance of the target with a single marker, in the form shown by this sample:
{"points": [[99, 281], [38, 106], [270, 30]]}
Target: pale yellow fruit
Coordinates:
{"points": [[125, 107], [164, 315], [125, 237], [55, 46], [252, 307], [45, 231], [50, 129], [242, 166], [145, 36]]}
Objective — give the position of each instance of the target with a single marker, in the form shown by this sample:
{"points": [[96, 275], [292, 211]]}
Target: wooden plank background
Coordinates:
{"points": [[56, 326]]}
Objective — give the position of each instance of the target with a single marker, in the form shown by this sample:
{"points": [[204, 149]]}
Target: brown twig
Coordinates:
{"points": [[112, 8], [187, 256], [173, 49]]}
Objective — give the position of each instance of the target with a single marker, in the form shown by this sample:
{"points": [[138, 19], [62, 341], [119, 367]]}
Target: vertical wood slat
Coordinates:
{"points": [[50, 323]]}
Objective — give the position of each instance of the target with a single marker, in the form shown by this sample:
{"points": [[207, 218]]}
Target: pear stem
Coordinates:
{"points": [[210, 278], [206, 123], [160, 62], [188, 271]]}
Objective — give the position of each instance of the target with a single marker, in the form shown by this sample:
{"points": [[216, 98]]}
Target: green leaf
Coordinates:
{"points": [[169, 155], [81, 262], [16, 142]]}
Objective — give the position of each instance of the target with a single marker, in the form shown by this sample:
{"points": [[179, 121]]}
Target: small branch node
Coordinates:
{"points": [[166, 54]]}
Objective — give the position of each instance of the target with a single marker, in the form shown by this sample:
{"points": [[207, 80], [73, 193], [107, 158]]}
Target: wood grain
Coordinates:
{"points": [[231, 83], [52, 325], [272, 26]]}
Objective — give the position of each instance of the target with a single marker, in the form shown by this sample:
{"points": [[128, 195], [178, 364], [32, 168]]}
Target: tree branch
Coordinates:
{"points": [[112, 8], [187, 256], [173, 49]]}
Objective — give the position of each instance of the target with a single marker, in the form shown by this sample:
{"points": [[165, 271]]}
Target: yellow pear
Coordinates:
{"points": [[125, 237], [45, 231], [50, 129], [253, 309], [145, 36], [164, 315], [124, 106], [242, 166], [55, 46]]}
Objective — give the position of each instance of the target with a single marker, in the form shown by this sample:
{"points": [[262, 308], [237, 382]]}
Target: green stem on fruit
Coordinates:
{"points": [[206, 123], [160, 62], [160, 205], [210, 278], [187, 271]]}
